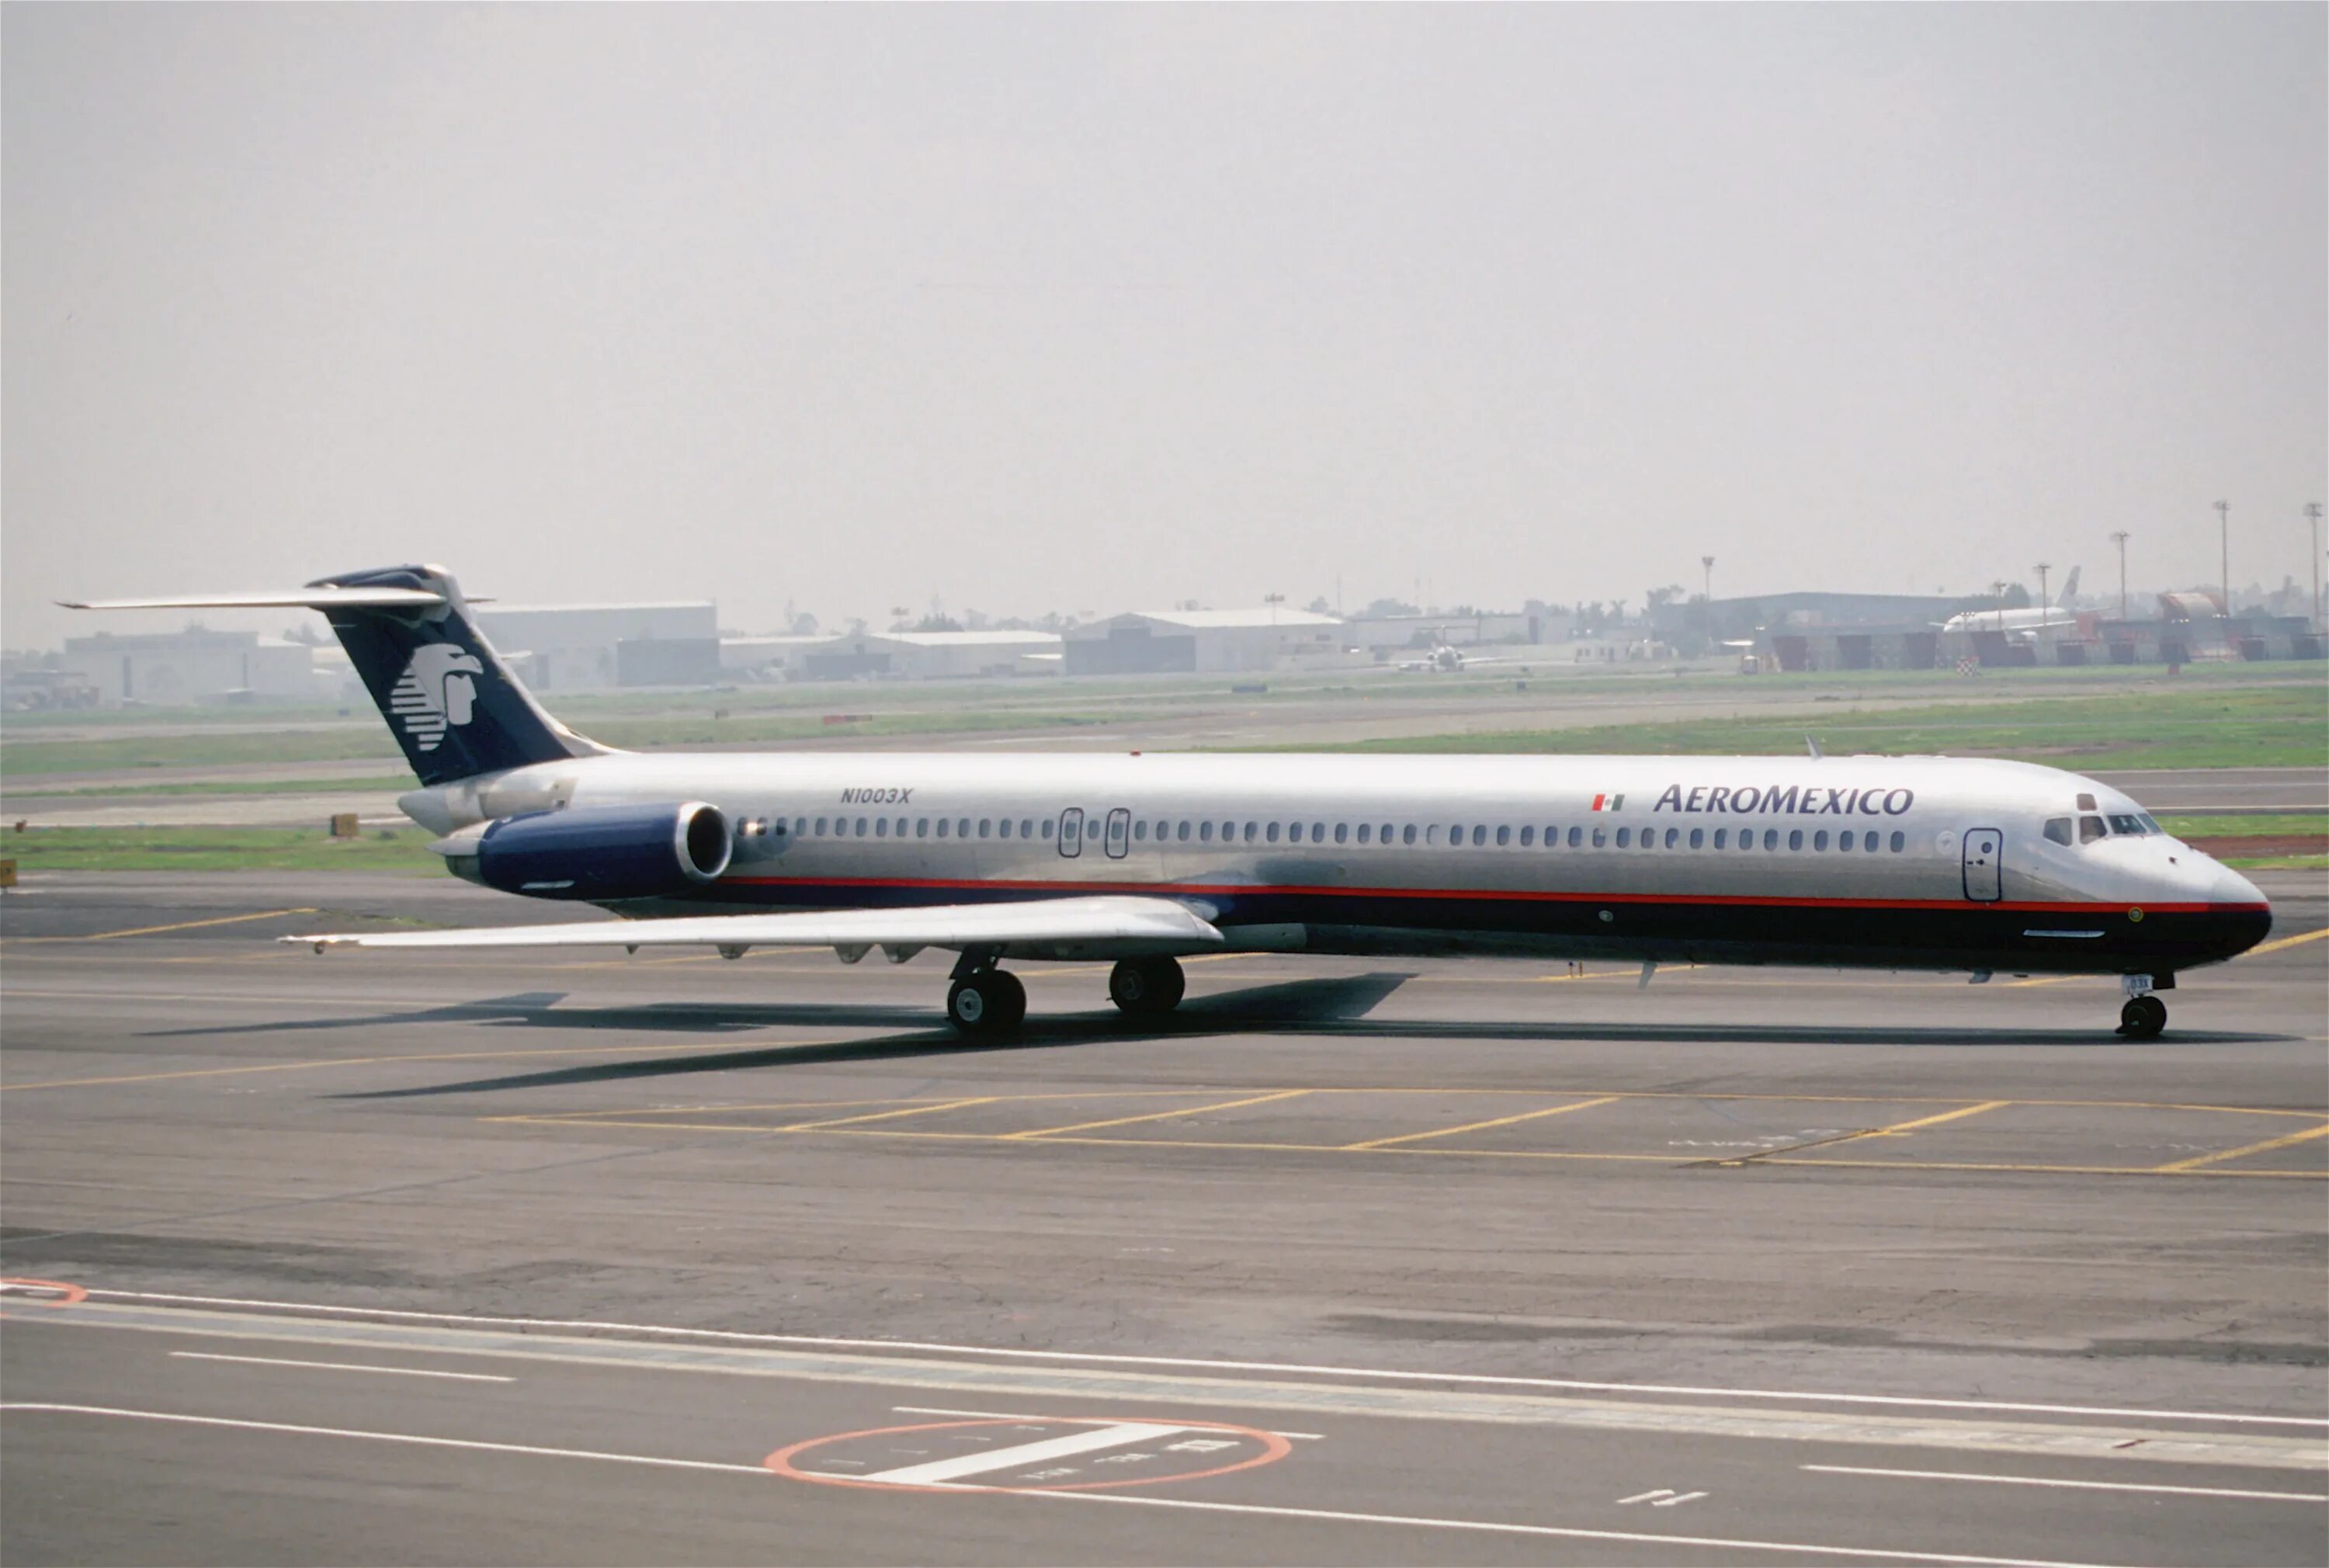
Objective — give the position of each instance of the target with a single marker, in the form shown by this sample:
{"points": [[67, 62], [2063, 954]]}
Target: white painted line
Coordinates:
{"points": [[1385, 1374], [1560, 1532], [343, 1367], [1022, 1415], [395, 1437], [938, 1472], [2083, 1486], [1677, 1498], [1484, 1526]]}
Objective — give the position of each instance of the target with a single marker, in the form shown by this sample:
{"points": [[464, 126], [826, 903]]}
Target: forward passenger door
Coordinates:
{"points": [[1984, 852]]}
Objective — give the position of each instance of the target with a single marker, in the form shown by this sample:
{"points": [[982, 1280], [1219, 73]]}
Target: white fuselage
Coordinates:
{"points": [[1905, 862]]}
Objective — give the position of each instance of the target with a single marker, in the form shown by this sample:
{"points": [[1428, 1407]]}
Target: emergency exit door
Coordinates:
{"points": [[1985, 850]]}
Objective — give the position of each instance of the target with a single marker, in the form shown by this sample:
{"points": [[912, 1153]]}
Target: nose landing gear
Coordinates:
{"points": [[2145, 1015]]}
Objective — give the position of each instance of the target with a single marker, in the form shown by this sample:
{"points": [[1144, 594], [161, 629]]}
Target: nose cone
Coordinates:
{"points": [[2239, 915]]}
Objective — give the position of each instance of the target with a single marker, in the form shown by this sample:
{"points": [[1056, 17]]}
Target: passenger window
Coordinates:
{"points": [[1182, 833], [1900, 842], [1140, 830], [1366, 832], [1480, 835], [962, 829], [1273, 832], [1795, 838], [2058, 830], [1576, 834], [1455, 834], [1204, 833], [860, 827], [1528, 837], [1251, 830], [2090, 829], [1046, 827], [1383, 837], [1868, 842], [880, 827], [1342, 833], [1844, 844], [1721, 837], [1625, 838], [922, 828], [1407, 835], [985, 827], [1318, 833], [1819, 840], [1674, 836], [1600, 837], [1698, 839], [1027, 828], [1430, 834]]}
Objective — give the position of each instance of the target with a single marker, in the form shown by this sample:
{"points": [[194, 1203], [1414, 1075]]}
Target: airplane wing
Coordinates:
{"points": [[1033, 923]]}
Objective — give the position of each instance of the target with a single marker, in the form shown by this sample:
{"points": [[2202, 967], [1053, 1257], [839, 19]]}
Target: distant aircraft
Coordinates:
{"points": [[1901, 863], [2023, 624], [1443, 660]]}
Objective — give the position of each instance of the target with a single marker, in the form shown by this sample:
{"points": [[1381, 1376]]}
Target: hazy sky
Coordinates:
{"points": [[1093, 308]]}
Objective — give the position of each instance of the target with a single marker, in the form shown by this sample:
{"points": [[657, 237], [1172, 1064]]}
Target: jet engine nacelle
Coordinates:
{"points": [[606, 852]]}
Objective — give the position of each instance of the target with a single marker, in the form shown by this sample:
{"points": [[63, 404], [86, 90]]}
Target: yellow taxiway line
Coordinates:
{"points": [[1479, 1126]]}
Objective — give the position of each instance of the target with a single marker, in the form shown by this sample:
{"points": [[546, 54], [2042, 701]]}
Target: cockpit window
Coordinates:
{"points": [[2058, 830], [2150, 823], [2090, 829], [2122, 824]]}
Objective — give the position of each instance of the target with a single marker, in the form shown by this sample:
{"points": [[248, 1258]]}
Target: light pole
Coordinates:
{"points": [[2312, 516], [1707, 562], [1999, 586], [2224, 551], [2119, 538], [2044, 602]]}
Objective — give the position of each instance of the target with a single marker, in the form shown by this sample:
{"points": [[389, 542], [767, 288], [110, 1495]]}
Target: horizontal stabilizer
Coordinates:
{"points": [[371, 599], [1118, 918]]}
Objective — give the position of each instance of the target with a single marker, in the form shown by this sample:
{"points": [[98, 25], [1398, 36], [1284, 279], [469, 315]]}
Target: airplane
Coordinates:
{"points": [[1138, 861], [2020, 625], [1443, 660]]}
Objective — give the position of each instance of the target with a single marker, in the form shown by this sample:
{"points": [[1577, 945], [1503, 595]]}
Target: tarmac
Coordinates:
{"points": [[363, 1257]]}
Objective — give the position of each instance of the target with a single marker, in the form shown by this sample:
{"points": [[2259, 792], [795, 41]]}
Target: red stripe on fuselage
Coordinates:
{"points": [[1240, 889]]}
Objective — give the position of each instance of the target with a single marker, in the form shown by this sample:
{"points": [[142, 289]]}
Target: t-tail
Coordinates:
{"points": [[449, 700]]}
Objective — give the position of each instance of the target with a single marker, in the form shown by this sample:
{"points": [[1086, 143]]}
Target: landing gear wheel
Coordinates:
{"points": [[2143, 1018], [988, 1003], [1147, 988]]}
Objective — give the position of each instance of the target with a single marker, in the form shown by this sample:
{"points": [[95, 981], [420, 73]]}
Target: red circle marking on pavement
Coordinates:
{"points": [[1273, 1449], [70, 1294]]}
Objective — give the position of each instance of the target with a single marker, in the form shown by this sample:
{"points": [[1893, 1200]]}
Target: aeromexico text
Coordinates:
{"points": [[1796, 800]]}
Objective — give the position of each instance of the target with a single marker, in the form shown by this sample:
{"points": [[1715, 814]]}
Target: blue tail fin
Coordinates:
{"points": [[449, 699]]}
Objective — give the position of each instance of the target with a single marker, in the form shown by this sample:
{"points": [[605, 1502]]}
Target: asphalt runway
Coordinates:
{"points": [[365, 1257]]}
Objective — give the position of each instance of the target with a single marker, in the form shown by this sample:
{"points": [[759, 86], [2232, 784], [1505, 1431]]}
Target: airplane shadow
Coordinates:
{"points": [[1334, 1007]]}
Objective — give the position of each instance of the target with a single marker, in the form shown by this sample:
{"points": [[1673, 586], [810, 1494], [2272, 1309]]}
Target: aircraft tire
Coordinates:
{"points": [[2143, 1018], [1010, 1000], [1147, 988], [985, 1004]]}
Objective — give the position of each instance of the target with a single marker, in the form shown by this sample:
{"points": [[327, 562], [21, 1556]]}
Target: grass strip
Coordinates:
{"points": [[217, 850]]}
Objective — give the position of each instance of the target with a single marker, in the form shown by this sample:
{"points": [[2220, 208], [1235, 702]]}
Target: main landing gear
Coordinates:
{"points": [[1147, 988], [985, 1001], [2145, 1015]]}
